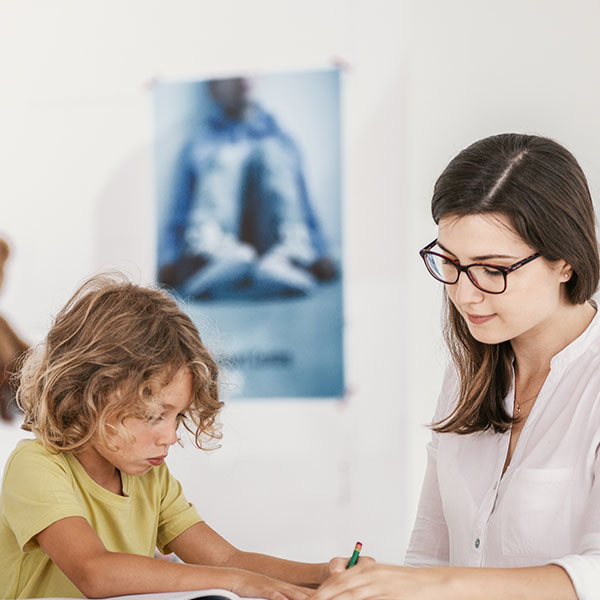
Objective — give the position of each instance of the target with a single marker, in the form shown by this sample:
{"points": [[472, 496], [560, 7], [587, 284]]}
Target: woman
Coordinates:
{"points": [[513, 478]]}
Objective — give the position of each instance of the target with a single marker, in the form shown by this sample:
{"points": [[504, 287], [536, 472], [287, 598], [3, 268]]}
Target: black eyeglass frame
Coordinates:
{"points": [[465, 269]]}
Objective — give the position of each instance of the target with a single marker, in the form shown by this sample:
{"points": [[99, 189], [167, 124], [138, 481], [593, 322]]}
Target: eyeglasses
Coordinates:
{"points": [[488, 278]]}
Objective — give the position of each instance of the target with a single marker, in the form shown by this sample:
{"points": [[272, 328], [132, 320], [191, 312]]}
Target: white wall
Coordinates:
{"points": [[425, 78]]}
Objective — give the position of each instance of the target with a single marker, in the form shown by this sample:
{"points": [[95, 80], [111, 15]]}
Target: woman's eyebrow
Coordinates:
{"points": [[478, 258]]}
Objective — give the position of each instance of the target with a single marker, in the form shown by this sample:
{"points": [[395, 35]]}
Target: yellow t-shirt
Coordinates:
{"points": [[39, 488]]}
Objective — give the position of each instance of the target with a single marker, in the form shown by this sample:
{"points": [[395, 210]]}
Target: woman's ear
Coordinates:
{"points": [[566, 272]]}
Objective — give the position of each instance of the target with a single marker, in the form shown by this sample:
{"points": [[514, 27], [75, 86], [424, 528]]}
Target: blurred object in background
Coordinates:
{"points": [[11, 348], [249, 214], [242, 224]]}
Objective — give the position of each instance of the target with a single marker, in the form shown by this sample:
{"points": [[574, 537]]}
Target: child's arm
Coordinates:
{"points": [[75, 548], [199, 544]]}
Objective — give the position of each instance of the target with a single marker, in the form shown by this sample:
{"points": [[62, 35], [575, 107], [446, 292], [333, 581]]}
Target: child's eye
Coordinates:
{"points": [[181, 417], [154, 418]]}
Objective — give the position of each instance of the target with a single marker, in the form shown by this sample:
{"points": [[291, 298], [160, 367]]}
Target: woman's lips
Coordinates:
{"points": [[479, 319]]}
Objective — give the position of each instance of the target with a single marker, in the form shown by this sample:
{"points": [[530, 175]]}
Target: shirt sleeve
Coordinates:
{"points": [[584, 568], [37, 492], [176, 513], [429, 541], [584, 571]]}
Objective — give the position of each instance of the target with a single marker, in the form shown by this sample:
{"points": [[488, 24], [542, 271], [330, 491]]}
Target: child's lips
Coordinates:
{"points": [[157, 460]]}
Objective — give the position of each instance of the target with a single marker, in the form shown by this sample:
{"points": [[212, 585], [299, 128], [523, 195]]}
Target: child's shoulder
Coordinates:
{"points": [[33, 451], [29, 447], [33, 467]]}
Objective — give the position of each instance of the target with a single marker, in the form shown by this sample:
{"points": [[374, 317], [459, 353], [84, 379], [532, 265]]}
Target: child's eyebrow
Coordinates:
{"points": [[168, 406]]}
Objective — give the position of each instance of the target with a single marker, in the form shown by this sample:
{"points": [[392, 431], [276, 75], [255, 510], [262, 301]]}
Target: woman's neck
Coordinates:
{"points": [[534, 351]]}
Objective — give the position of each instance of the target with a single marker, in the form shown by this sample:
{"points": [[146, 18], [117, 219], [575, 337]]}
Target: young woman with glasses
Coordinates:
{"points": [[512, 485]]}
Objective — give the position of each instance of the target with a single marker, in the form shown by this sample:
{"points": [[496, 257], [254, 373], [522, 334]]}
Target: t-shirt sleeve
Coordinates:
{"points": [[176, 513], [37, 491]]}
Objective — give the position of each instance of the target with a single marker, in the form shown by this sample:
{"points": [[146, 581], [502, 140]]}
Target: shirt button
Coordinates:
{"points": [[477, 542]]}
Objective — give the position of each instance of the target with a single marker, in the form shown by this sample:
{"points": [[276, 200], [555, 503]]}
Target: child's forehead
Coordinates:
{"points": [[175, 391], [157, 405], [164, 377]]}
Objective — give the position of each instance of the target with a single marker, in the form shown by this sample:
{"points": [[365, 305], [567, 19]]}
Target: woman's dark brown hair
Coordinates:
{"points": [[539, 186]]}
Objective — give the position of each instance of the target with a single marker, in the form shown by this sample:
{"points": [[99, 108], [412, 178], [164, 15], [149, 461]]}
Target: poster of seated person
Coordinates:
{"points": [[249, 224]]}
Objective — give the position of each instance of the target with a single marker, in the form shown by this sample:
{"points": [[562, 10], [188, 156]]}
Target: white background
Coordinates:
{"points": [[423, 79]]}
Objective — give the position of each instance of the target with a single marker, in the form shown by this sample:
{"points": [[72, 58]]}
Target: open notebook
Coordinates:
{"points": [[211, 594]]}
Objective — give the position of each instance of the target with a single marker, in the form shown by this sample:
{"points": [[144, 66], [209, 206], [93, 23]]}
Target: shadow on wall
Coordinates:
{"points": [[125, 219]]}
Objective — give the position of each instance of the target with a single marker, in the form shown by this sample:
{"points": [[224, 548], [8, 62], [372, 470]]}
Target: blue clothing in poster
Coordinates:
{"points": [[241, 222], [249, 225]]}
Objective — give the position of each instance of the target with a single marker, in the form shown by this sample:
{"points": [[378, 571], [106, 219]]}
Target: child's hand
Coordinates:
{"points": [[338, 564], [253, 585]]}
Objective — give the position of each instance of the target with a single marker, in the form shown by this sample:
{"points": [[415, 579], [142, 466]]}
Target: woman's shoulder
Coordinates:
{"points": [[448, 396]]}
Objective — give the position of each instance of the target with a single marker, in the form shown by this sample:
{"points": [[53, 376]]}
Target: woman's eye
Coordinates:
{"points": [[492, 272]]}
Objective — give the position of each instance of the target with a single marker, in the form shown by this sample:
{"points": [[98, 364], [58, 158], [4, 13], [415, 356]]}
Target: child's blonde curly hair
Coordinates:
{"points": [[110, 348]]}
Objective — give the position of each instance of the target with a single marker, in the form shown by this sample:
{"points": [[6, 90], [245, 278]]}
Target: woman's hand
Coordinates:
{"points": [[339, 564], [369, 580], [372, 581], [253, 585]]}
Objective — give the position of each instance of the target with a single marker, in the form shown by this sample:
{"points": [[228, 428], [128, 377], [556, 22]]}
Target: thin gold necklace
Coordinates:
{"points": [[519, 404]]}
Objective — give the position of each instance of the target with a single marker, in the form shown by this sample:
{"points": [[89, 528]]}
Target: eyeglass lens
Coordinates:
{"points": [[486, 278]]}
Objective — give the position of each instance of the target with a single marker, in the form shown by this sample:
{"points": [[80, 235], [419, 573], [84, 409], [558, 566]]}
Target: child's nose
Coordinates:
{"points": [[168, 436]]}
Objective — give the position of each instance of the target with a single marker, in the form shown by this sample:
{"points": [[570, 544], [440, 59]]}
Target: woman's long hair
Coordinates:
{"points": [[539, 186]]}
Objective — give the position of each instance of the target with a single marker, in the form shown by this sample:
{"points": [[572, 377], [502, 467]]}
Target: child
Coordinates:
{"points": [[84, 505]]}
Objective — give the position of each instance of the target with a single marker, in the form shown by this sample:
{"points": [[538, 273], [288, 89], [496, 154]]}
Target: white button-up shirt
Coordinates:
{"points": [[546, 507]]}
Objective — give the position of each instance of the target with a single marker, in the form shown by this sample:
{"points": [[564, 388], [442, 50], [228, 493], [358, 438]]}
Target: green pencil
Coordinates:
{"points": [[354, 558]]}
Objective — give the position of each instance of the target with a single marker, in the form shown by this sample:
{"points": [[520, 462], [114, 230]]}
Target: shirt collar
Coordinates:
{"points": [[589, 338]]}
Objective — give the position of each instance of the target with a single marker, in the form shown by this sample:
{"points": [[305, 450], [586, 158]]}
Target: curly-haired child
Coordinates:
{"points": [[85, 504]]}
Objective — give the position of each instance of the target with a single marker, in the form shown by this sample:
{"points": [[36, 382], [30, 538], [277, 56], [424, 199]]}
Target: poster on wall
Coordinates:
{"points": [[249, 225]]}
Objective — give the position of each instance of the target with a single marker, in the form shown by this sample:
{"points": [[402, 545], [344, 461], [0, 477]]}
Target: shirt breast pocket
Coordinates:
{"points": [[536, 513]]}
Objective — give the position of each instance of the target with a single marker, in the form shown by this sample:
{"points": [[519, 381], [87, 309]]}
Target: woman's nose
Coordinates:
{"points": [[465, 291]]}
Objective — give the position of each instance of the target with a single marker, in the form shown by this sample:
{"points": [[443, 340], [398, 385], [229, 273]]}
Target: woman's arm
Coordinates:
{"points": [[75, 548], [374, 581], [199, 544], [429, 542]]}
